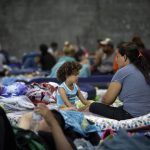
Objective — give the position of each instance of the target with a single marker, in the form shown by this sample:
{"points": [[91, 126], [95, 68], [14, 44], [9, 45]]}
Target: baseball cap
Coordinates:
{"points": [[106, 41]]}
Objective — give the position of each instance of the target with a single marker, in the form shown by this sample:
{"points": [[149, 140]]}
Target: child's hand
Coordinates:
{"points": [[69, 108], [73, 108], [86, 107]]}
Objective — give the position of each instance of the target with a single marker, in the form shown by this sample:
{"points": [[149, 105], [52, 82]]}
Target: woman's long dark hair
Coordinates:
{"points": [[136, 57]]}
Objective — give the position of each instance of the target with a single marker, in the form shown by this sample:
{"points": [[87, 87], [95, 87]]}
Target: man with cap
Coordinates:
{"points": [[104, 58]]}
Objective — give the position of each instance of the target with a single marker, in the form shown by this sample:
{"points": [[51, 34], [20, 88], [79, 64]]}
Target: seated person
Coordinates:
{"points": [[57, 139], [131, 83], [80, 56], [47, 60], [67, 92], [54, 123], [69, 51], [31, 61], [104, 58], [53, 49]]}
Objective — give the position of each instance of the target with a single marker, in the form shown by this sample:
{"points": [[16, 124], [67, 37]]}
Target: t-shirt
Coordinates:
{"points": [[106, 65], [135, 92], [71, 94], [85, 71]]}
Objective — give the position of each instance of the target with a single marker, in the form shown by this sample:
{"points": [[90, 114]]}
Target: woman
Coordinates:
{"points": [[131, 84]]}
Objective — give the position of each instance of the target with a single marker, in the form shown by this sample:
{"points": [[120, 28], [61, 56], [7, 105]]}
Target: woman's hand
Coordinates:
{"points": [[42, 109]]}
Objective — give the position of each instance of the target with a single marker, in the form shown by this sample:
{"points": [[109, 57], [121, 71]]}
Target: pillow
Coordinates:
{"points": [[105, 123], [134, 123]]}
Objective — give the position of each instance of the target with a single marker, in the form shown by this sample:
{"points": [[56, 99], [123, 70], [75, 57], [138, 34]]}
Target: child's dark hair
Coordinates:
{"points": [[67, 69], [133, 53]]}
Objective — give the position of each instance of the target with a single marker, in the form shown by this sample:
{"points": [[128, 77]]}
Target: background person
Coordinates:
{"points": [[68, 73], [104, 58], [131, 84], [47, 60], [69, 51]]}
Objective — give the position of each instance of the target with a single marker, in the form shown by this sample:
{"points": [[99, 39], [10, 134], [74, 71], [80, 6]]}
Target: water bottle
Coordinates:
{"points": [[36, 118]]}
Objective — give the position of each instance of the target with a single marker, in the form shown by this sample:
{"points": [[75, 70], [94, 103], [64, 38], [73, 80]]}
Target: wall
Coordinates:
{"points": [[24, 24]]}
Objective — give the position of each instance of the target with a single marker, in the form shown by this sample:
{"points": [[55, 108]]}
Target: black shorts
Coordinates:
{"points": [[107, 111]]}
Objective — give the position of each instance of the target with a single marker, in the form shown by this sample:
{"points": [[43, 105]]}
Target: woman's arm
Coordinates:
{"points": [[112, 93], [60, 140], [63, 95]]}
